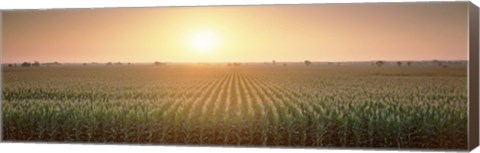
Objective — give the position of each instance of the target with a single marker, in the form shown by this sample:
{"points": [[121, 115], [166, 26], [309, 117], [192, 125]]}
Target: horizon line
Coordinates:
{"points": [[270, 61]]}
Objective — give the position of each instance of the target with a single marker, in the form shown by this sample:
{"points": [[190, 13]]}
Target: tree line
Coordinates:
{"points": [[379, 63]]}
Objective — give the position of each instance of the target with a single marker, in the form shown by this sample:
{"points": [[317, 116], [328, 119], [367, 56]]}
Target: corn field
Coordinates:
{"points": [[250, 105]]}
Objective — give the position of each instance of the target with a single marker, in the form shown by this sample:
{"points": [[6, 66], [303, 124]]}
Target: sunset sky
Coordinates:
{"points": [[321, 32]]}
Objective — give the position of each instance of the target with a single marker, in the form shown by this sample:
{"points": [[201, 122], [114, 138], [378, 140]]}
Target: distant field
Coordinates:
{"points": [[250, 105]]}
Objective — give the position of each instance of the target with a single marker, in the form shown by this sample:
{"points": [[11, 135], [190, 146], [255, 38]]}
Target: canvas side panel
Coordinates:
{"points": [[473, 76], [1, 76]]}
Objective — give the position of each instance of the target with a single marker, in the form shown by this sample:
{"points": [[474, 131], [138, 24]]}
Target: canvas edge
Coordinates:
{"points": [[473, 71], [1, 76], [379, 2], [473, 76]]}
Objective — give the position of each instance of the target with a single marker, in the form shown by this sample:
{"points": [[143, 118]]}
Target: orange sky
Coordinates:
{"points": [[322, 32]]}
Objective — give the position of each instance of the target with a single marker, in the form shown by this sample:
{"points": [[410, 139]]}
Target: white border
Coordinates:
{"points": [[49, 4]]}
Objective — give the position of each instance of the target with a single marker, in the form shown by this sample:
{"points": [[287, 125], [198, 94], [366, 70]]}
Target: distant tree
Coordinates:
{"points": [[273, 62], [51, 64], [158, 63], [307, 62], [10, 65], [379, 63], [439, 63], [36, 64], [409, 63], [26, 64], [109, 63], [399, 63], [84, 64], [118, 63], [284, 64]]}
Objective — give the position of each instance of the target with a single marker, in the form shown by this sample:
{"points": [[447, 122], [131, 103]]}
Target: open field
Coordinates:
{"points": [[249, 105]]}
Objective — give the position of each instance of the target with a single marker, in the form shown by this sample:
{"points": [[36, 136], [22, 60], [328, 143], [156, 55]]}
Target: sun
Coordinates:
{"points": [[204, 41]]}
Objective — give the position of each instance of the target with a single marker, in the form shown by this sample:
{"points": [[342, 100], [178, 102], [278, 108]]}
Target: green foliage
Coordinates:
{"points": [[415, 107]]}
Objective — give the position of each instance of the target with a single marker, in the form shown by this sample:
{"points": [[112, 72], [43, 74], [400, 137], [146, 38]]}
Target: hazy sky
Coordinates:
{"points": [[322, 32]]}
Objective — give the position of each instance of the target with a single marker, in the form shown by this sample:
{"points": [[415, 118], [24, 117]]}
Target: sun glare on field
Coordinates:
{"points": [[203, 41]]}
